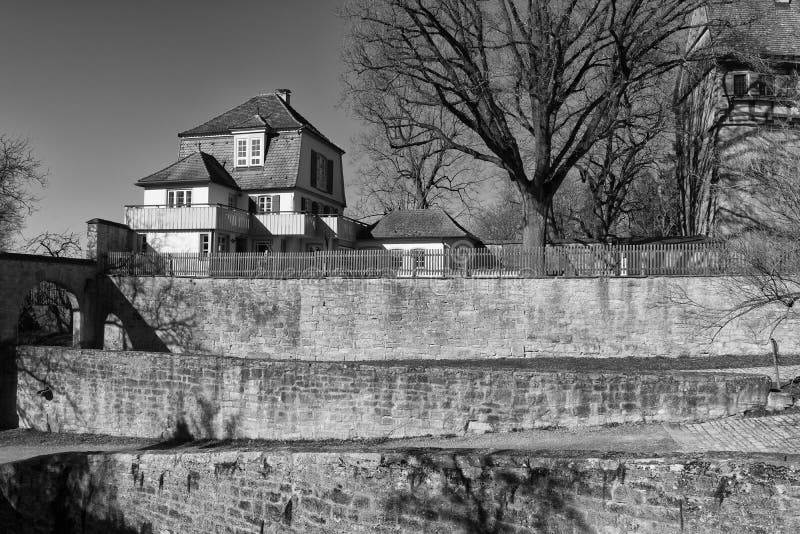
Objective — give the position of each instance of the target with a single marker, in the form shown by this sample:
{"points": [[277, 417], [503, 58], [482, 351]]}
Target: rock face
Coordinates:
{"points": [[401, 491], [158, 394]]}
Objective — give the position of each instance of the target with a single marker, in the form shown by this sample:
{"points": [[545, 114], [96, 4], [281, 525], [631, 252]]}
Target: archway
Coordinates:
{"points": [[49, 315]]}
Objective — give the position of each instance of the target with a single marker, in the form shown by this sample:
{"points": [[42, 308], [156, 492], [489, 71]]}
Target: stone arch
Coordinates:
{"points": [[74, 299]]}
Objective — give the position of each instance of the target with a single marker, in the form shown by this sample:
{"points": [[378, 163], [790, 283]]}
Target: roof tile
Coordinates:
{"points": [[198, 167], [429, 223], [761, 27]]}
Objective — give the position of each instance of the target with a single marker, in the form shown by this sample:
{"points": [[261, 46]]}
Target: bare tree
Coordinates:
{"points": [[66, 245], [404, 166], [534, 84], [501, 219], [764, 263], [20, 171]]}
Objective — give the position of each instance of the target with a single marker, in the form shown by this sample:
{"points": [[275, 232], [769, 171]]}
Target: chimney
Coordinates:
{"points": [[284, 94]]}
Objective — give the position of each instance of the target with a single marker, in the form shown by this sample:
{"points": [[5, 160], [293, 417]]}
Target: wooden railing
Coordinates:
{"points": [[691, 259], [195, 217]]}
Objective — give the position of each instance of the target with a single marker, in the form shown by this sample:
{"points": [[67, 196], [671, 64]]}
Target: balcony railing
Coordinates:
{"points": [[194, 217], [345, 228], [284, 223], [227, 219]]}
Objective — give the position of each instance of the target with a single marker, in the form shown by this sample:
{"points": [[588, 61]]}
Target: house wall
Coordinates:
{"points": [[289, 201], [158, 197], [379, 319], [173, 242], [310, 143]]}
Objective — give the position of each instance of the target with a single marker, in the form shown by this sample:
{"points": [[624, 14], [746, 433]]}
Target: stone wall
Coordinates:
{"points": [[161, 395], [393, 492], [104, 236], [341, 319]]}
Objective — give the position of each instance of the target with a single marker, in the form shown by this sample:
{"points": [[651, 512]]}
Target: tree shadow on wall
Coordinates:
{"points": [[159, 316], [38, 372], [470, 494], [63, 494]]}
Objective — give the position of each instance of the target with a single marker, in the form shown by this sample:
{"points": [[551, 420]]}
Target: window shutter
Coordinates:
{"points": [[313, 169], [276, 203], [329, 183]]}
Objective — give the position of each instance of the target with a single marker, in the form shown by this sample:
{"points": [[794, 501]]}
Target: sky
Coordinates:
{"points": [[102, 88]]}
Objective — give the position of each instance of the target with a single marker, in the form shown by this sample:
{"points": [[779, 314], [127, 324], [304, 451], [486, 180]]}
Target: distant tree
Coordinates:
{"points": [[534, 85], [500, 219], [66, 245], [20, 172]]}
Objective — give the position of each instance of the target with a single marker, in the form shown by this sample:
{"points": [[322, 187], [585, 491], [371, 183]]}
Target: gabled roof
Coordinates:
{"points": [[429, 223], [198, 167], [761, 27]]}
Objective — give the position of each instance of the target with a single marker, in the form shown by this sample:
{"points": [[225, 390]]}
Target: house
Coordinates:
{"points": [[739, 99], [422, 239], [259, 177]]}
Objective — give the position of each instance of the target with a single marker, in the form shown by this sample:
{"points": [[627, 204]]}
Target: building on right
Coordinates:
{"points": [[737, 121]]}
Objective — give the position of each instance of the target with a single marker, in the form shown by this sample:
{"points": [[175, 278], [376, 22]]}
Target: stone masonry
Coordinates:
{"points": [[248, 492], [161, 395], [390, 319]]}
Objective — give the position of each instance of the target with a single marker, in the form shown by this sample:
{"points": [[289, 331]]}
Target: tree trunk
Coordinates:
{"points": [[534, 231]]}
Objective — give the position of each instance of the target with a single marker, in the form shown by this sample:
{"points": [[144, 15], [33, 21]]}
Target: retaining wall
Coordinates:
{"points": [[340, 319], [156, 394], [393, 492]]}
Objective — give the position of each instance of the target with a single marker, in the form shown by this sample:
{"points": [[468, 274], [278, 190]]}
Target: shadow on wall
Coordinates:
{"points": [[134, 321], [472, 495], [62, 494]]}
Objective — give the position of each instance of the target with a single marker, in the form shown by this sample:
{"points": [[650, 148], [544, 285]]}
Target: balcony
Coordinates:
{"points": [[226, 219], [195, 217], [344, 228], [285, 223]]}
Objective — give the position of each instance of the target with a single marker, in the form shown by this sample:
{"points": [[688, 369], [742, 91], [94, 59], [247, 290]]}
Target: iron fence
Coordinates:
{"points": [[684, 259]]}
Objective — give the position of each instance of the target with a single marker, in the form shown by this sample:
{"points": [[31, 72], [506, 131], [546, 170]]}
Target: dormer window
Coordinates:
{"points": [[249, 149]]}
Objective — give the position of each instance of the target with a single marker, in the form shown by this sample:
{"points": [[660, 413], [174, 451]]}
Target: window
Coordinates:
{"points": [[314, 208], [232, 201], [142, 242], [249, 150], [205, 244], [739, 84], [241, 153], [321, 172], [222, 243], [263, 247], [304, 205], [255, 152], [179, 198], [268, 204]]}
